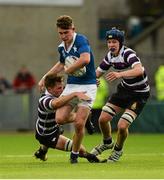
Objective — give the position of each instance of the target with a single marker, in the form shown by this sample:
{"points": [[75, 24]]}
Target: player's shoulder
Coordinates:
{"points": [[81, 38], [127, 49], [126, 52]]}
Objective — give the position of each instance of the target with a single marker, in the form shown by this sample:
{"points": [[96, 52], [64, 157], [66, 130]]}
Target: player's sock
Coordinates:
{"points": [[91, 158], [74, 157], [107, 141], [117, 148]]}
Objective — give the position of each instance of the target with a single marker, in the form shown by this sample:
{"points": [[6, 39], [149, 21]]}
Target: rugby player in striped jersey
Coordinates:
{"points": [[47, 130], [130, 98]]}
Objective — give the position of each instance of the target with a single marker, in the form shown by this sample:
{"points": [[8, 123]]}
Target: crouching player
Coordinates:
{"points": [[48, 132]]}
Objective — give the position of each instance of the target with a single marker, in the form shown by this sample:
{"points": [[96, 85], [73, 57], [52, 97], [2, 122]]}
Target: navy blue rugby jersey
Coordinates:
{"points": [[126, 59], [46, 124], [79, 45]]}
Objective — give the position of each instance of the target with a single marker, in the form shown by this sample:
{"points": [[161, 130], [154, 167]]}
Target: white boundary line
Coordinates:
{"points": [[88, 179]]}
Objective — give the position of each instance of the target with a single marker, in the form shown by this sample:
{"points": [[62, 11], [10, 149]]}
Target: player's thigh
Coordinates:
{"points": [[63, 113]]}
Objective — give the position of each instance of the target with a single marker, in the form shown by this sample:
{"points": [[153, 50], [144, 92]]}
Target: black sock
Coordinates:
{"points": [[107, 141], [74, 155], [117, 148]]}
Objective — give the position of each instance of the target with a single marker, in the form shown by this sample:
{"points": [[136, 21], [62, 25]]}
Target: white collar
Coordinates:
{"points": [[69, 48]]}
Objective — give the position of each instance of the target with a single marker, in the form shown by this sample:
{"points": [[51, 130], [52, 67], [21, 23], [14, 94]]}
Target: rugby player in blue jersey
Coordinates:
{"points": [[47, 130], [131, 95], [74, 44]]}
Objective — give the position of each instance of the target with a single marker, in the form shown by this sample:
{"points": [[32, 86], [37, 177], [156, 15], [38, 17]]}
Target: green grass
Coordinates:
{"points": [[143, 159]]}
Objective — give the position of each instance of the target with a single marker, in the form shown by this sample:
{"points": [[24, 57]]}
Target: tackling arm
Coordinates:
{"points": [[61, 101]]}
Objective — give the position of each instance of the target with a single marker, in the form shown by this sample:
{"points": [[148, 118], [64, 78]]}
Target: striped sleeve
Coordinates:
{"points": [[130, 57], [45, 103]]}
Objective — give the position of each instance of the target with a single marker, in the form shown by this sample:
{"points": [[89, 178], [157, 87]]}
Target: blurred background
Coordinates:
{"points": [[29, 40]]}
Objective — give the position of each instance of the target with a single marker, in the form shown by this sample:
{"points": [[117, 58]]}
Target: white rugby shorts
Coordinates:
{"points": [[90, 90]]}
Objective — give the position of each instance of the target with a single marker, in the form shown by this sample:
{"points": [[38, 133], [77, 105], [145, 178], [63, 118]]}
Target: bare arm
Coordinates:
{"points": [[83, 60], [58, 67], [61, 101], [98, 75], [136, 71]]}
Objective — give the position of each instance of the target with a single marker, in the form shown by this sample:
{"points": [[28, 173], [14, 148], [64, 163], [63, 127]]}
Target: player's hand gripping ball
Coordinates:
{"points": [[69, 61]]}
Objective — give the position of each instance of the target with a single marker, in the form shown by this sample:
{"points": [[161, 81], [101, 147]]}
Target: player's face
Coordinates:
{"points": [[57, 89], [113, 46], [66, 35]]}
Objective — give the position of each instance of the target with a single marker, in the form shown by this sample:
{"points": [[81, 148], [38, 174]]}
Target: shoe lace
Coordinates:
{"points": [[102, 147], [115, 155]]}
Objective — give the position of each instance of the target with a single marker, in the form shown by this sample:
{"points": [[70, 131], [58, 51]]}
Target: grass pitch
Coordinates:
{"points": [[143, 158]]}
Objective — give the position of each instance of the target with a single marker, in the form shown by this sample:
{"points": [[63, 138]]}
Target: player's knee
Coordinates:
{"points": [[122, 127], [79, 126], [102, 121], [104, 118]]}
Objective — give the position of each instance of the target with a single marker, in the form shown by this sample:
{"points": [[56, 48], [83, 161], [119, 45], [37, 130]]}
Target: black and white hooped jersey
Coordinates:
{"points": [[126, 59], [46, 124]]}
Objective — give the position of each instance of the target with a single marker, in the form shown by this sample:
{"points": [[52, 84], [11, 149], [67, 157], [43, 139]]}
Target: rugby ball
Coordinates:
{"points": [[69, 61]]}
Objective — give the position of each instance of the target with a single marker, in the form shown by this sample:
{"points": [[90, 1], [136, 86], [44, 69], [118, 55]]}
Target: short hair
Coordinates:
{"points": [[52, 79], [64, 22]]}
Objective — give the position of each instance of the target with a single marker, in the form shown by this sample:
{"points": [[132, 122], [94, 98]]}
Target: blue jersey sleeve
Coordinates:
{"points": [[83, 44]]}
